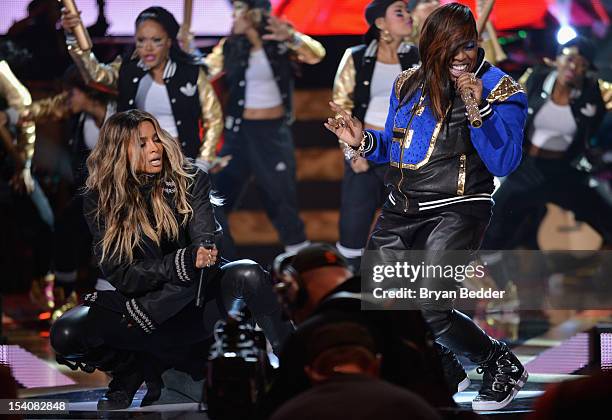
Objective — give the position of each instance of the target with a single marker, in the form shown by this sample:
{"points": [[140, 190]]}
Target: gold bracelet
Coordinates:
{"points": [[362, 145]]}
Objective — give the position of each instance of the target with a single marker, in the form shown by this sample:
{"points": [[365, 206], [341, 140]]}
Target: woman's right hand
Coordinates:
{"points": [[70, 21], [348, 129], [206, 257]]}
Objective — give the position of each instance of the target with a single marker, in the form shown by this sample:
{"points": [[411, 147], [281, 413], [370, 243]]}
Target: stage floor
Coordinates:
{"points": [[552, 348]]}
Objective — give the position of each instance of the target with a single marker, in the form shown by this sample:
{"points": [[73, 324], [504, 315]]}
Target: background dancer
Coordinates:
{"points": [[568, 109], [160, 78], [257, 61], [361, 88], [86, 106]]}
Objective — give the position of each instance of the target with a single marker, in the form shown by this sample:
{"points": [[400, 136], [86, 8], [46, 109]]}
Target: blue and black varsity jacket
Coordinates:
{"points": [[435, 164]]}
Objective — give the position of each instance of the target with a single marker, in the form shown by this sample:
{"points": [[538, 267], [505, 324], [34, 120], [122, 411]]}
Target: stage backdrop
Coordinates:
{"points": [[316, 17]]}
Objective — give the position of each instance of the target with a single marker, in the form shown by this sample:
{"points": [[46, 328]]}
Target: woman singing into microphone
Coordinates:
{"points": [[150, 214], [441, 172]]}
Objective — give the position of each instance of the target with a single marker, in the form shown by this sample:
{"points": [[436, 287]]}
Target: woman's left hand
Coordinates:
{"points": [[471, 82], [279, 30], [206, 257]]}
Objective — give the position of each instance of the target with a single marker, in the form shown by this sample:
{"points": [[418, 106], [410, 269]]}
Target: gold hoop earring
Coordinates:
{"points": [[386, 36]]}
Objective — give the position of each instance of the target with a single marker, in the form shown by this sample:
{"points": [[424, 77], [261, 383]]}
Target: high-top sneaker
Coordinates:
{"points": [[455, 375], [503, 377]]}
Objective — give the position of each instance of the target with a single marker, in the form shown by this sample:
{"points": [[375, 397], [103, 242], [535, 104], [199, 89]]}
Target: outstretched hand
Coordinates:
{"points": [[278, 30], [347, 128]]}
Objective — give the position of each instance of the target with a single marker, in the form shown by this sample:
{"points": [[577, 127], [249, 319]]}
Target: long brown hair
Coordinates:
{"points": [[121, 207], [444, 32]]}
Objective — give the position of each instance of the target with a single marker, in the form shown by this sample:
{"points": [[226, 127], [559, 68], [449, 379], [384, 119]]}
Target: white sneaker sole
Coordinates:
{"points": [[463, 385], [497, 405]]}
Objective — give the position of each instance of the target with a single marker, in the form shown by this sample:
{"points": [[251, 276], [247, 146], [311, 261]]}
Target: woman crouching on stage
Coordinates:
{"points": [[440, 175], [149, 210]]}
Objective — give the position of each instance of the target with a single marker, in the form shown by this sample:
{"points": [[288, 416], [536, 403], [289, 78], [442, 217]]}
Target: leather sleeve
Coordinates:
{"points": [[144, 275]]}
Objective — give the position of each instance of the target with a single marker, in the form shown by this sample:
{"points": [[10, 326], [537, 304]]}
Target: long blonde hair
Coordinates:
{"points": [[122, 209]]}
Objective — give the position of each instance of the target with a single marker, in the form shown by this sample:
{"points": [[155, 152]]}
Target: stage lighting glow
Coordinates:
{"points": [[566, 34]]}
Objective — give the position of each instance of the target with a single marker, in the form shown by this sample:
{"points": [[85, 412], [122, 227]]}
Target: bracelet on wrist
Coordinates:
{"points": [[352, 152]]}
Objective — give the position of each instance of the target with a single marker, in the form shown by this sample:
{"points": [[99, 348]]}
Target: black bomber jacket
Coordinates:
{"points": [[159, 282]]}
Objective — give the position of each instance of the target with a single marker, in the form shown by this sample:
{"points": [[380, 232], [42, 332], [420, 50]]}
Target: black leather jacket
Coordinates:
{"points": [[161, 279]]}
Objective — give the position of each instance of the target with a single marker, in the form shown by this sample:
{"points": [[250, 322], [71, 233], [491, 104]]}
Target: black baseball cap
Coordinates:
{"points": [[338, 334], [583, 46]]}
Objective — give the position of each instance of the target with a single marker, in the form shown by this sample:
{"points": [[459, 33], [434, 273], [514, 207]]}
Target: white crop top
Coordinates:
{"points": [[261, 88], [157, 102], [554, 127], [380, 90]]}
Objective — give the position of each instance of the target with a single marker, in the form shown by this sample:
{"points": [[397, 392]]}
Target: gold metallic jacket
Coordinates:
{"points": [[18, 97], [108, 75]]}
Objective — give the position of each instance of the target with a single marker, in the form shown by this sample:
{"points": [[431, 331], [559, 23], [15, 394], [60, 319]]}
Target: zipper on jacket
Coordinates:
{"points": [[415, 107], [461, 175]]}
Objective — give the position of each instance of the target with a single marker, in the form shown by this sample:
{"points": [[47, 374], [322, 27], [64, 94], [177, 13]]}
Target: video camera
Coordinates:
{"points": [[238, 369]]}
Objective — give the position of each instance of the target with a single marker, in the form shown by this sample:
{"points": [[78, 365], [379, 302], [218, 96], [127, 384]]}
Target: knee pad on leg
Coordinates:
{"points": [[240, 283], [69, 333]]}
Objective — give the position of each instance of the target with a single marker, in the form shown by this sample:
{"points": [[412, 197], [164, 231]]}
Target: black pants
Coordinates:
{"points": [[90, 334], [445, 230], [362, 194], [264, 151], [72, 237], [520, 203]]}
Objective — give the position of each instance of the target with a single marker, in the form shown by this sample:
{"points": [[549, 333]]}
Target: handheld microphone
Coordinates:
{"points": [[80, 32], [471, 106], [208, 243]]}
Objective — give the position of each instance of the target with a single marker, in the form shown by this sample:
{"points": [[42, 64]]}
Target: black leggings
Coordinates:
{"points": [[441, 231], [102, 338]]}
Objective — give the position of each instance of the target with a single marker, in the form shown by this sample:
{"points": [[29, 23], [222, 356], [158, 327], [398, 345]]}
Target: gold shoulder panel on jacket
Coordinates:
{"points": [[505, 88], [525, 76], [401, 79], [606, 93], [212, 117], [344, 83], [214, 60]]}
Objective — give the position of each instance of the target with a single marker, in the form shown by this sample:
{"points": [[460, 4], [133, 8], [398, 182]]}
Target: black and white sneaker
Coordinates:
{"points": [[455, 375], [503, 377]]}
